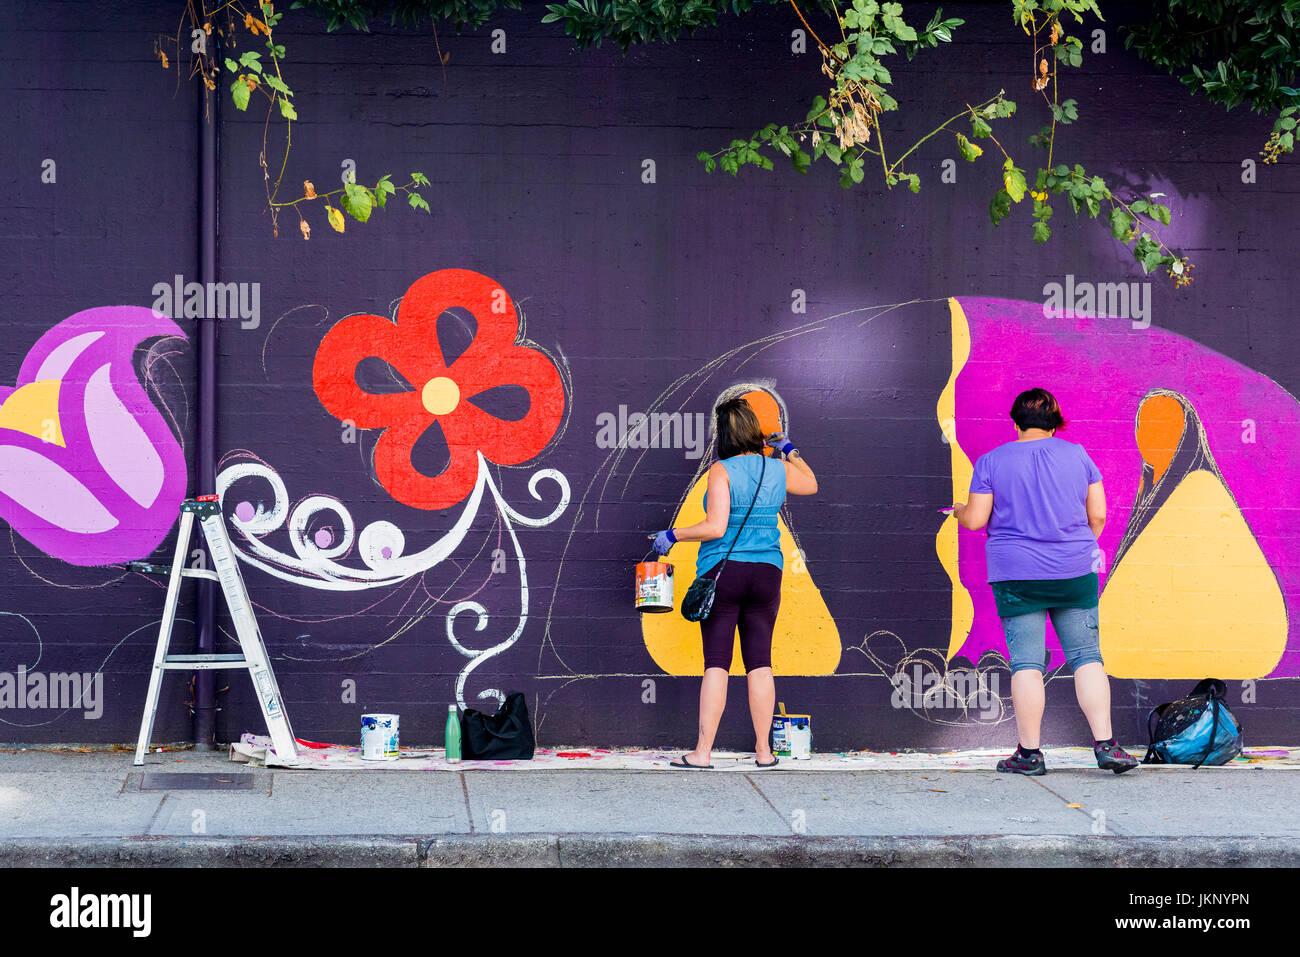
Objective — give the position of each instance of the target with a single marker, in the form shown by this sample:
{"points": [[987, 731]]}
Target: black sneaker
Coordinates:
{"points": [[1022, 763], [1111, 757]]}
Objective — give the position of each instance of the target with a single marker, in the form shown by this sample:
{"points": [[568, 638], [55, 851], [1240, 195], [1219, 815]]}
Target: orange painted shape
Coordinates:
{"points": [[1160, 426], [768, 412]]}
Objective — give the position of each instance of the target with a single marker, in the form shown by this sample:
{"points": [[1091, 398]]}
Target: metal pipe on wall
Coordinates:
{"points": [[209, 105]]}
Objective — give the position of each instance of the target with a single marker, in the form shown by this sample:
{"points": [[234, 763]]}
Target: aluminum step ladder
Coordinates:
{"points": [[207, 509]]}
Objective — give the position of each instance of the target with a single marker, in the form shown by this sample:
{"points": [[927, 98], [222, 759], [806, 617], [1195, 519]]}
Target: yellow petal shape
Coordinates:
{"points": [[34, 409], [1194, 596], [945, 544], [804, 642]]}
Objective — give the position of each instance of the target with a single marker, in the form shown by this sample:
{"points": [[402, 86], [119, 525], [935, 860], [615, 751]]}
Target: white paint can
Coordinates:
{"points": [[799, 736], [379, 737]]}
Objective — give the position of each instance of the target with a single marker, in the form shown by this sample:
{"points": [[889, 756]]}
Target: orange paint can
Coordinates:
{"points": [[654, 587]]}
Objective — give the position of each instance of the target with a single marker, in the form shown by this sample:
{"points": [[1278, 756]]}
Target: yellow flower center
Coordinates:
{"points": [[440, 395]]}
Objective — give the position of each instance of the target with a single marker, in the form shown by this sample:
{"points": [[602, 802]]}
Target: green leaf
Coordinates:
{"points": [[417, 202], [240, 91], [287, 110], [969, 151], [277, 84], [999, 206], [1066, 112], [335, 217], [1121, 223], [1041, 232], [251, 60], [1147, 252], [1160, 214], [231, 65], [356, 201], [420, 179], [1139, 205], [1014, 181], [979, 128]]}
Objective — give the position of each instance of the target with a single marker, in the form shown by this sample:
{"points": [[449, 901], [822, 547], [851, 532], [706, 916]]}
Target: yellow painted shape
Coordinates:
{"points": [[1194, 596], [34, 409], [804, 642], [945, 545]]}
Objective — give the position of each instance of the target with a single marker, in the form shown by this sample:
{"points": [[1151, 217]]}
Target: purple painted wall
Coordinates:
{"points": [[653, 296]]}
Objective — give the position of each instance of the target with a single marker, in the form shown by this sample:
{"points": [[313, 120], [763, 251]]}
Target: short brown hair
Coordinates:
{"points": [[738, 429], [1037, 409]]}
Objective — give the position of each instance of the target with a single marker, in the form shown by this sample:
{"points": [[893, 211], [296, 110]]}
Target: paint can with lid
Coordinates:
{"points": [[654, 587], [379, 734]]}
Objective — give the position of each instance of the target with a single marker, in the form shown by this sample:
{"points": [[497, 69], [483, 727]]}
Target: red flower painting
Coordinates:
{"points": [[441, 392]]}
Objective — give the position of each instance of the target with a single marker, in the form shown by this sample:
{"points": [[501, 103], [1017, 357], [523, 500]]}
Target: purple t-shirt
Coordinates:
{"points": [[1039, 526]]}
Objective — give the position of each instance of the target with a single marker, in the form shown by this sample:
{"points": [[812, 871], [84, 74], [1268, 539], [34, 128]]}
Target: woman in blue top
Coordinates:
{"points": [[749, 585], [1042, 500]]}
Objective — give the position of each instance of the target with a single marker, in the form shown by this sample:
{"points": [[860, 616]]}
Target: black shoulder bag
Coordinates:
{"points": [[699, 597], [506, 735]]}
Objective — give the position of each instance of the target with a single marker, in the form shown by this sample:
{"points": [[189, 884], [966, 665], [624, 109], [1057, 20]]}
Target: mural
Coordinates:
{"points": [[326, 550], [90, 471], [444, 500], [1195, 450]]}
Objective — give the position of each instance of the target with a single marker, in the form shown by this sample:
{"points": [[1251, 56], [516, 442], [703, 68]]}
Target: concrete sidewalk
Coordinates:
{"points": [[94, 808]]}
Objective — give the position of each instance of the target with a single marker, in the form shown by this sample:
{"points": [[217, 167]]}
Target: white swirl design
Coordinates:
{"points": [[381, 546]]}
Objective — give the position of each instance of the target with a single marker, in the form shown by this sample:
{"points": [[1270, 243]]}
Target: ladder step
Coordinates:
{"points": [[203, 662]]}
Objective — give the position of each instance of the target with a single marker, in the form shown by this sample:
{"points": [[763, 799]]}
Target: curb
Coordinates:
{"points": [[653, 850]]}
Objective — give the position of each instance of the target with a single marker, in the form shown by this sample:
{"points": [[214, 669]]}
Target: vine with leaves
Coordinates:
{"points": [[845, 125], [252, 75], [1231, 51]]}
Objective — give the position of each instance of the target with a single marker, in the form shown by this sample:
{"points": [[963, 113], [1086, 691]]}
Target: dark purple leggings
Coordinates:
{"points": [[749, 595]]}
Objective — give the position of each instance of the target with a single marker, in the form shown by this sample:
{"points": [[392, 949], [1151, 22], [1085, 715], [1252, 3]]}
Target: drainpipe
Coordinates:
{"points": [[205, 709]]}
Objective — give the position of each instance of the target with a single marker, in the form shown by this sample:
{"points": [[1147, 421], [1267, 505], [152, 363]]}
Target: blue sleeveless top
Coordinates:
{"points": [[761, 539]]}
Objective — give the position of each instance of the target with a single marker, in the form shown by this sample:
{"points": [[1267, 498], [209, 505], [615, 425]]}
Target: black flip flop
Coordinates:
{"points": [[774, 762], [686, 764]]}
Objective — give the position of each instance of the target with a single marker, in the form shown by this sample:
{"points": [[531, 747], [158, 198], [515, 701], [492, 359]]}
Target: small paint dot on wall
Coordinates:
{"points": [[324, 538], [386, 552], [244, 511]]}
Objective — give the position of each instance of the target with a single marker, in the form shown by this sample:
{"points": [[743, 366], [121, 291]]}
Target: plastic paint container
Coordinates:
{"points": [[654, 587], [379, 737]]}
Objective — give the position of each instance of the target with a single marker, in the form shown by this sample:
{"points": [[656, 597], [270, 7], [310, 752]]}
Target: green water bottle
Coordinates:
{"points": [[453, 734]]}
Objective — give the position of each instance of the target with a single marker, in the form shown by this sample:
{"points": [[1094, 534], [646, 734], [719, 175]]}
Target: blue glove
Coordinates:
{"points": [[778, 441], [664, 541]]}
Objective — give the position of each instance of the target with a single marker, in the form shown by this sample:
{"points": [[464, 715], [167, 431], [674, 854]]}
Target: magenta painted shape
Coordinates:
{"points": [[1100, 369], [137, 477]]}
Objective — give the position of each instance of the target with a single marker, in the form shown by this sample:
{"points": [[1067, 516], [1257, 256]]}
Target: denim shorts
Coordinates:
{"points": [[1075, 627]]}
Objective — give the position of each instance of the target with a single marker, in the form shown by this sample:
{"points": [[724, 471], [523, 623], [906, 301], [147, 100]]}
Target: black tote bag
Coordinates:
{"points": [[504, 736]]}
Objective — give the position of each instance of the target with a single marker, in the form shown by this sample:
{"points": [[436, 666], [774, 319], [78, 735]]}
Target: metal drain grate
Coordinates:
{"points": [[195, 781]]}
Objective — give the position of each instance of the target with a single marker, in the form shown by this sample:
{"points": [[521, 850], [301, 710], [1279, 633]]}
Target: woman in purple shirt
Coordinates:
{"points": [[1042, 500]]}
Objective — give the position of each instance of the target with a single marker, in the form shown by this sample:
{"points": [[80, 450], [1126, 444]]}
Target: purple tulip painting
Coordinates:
{"points": [[90, 472]]}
